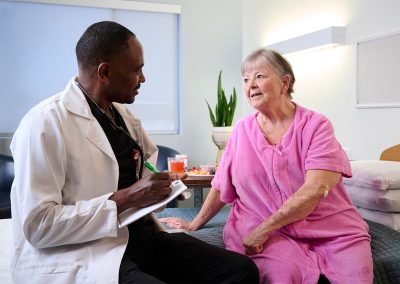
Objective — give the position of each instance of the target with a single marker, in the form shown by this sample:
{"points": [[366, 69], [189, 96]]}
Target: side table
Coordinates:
{"points": [[198, 183]]}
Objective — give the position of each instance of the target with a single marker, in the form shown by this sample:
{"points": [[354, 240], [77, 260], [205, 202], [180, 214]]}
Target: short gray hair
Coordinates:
{"points": [[273, 59]]}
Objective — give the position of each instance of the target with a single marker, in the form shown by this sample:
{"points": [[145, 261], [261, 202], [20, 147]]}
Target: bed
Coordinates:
{"points": [[5, 245], [385, 240]]}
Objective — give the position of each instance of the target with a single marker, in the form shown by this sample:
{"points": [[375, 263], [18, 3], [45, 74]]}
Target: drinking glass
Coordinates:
{"points": [[176, 165]]}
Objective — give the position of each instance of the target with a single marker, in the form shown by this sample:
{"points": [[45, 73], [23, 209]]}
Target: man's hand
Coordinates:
{"points": [[148, 190], [175, 176]]}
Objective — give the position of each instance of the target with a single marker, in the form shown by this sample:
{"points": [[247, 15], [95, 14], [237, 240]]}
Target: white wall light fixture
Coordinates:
{"points": [[327, 37]]}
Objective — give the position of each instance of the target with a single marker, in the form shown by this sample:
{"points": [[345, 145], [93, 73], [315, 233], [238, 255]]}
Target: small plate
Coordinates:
{"points": [[199, 176]]}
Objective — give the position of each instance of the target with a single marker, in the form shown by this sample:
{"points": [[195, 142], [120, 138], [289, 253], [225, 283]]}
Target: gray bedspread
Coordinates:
{"points": [[385, 253], [385, 242]]}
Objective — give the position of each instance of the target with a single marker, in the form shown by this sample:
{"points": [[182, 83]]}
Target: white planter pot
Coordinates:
{"points": [[220, 136]]}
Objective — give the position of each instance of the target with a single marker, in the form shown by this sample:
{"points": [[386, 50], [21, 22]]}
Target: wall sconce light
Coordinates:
{"points": [[319, 39]]}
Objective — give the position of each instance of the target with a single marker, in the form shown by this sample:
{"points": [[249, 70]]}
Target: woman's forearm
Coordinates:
{"points": [[317, 185], [212, 205], [295, 208]]}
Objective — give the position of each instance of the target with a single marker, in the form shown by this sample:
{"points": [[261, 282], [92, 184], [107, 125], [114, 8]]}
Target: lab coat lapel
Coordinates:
{"points": [[76, 103], [96, 135]]}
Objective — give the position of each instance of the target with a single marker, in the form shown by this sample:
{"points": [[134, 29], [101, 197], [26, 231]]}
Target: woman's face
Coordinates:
{"points": [[263, 87]]}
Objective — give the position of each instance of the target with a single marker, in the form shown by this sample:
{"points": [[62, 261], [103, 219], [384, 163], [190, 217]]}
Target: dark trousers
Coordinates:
{"points": [[159, 257]]}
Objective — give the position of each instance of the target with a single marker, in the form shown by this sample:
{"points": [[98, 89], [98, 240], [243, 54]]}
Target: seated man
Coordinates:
{"points": [[79, 162]]}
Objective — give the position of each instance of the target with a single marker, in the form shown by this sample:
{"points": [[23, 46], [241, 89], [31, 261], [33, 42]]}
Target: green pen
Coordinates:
{"points": [[182, 196], [150, 167]]}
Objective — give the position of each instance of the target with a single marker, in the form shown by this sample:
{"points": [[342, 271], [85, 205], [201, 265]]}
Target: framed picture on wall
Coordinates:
{"points": [[378, 72]]}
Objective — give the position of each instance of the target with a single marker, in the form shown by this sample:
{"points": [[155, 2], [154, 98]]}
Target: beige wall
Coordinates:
{"points": [[326, 80], [211, 40], [218, 34], [213, 35]]}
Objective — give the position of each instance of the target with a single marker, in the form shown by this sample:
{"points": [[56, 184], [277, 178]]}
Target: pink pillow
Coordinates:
{"points": [[375, 174]]}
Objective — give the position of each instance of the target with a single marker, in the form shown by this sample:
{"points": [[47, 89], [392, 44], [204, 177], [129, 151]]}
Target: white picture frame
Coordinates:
{"points": [[378, 72]]}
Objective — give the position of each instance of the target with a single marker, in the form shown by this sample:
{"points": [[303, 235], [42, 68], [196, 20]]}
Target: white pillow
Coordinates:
{"points": [[382, 200], [375, 174], [391, 220]]}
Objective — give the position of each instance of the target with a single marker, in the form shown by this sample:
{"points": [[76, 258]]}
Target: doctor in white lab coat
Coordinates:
{"points": [[65, 225]]}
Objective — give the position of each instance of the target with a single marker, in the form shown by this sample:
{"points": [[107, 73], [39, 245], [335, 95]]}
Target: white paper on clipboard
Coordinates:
{"points": [[132, 214]]}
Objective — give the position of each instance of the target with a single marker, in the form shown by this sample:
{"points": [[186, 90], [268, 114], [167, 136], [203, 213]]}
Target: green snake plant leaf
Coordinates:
{"points": [[224, 110], [212, 117]]}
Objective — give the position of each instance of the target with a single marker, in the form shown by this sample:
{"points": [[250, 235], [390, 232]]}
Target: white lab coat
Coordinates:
{"points": [[65, 228]]}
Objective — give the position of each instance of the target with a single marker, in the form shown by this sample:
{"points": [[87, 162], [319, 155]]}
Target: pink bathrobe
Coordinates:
{"points": [[257, 177]]}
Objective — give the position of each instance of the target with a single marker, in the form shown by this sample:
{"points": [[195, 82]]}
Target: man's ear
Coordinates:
{"points": [[103, 72]]}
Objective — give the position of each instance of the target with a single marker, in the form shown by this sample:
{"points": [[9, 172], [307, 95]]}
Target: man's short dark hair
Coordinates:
{"points": [[101, 42]]}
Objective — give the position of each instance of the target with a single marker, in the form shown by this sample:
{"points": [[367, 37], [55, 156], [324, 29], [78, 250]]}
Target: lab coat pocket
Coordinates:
{"points": [[45, 267], [49, 268], [59, 272]]}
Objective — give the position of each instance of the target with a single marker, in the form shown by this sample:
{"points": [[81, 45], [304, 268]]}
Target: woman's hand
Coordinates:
{"points": [[254, 242], [176, 223]]}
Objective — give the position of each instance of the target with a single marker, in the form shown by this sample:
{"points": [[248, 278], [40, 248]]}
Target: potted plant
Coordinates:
{"points": [[224, 110], [222, 118]]}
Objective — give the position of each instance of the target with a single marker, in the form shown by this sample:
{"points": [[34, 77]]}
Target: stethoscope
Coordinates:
{"points": [[183, 195], [116, 126]]}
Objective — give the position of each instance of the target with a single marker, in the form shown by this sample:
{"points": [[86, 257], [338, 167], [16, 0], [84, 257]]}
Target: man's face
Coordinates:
{"points": [[126, 74]]}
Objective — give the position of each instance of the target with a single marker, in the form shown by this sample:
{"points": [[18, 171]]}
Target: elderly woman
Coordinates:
{"points": [[282, 172]]}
